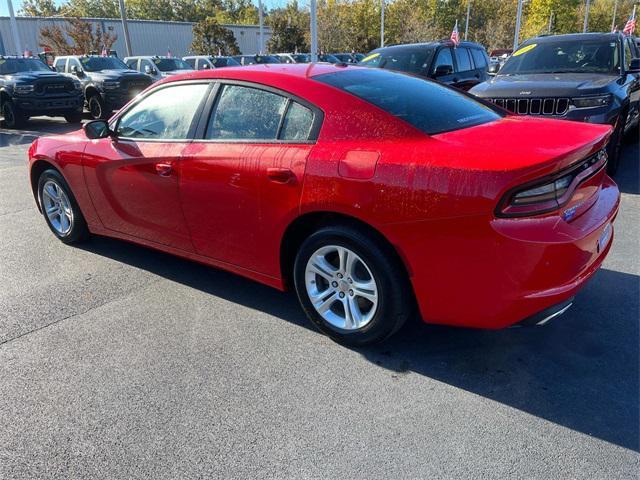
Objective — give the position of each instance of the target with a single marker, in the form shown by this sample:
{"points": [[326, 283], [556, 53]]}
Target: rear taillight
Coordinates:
{"points": [[549, 194]]}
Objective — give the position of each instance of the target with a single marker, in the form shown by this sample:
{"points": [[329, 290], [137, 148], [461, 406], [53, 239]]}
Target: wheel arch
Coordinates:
{"points": [[38, 168], [304, 225], [90, 91]]}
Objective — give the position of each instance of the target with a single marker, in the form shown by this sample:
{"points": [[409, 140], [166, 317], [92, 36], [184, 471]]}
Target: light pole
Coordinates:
{"points": [[516, 36], [466, 25], [261, 34], [314, 31], [585, 27], [14, 29], [615, 11], [382, 23], [125, 27]]}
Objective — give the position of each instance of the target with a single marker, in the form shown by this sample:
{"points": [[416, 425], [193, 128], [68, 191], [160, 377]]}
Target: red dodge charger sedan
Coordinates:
{"points": [[369, 192]]}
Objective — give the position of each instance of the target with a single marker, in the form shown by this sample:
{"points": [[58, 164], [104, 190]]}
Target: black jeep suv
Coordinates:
{"points": [[29, 88], [461, 66], [589, 77], [107, 82]]}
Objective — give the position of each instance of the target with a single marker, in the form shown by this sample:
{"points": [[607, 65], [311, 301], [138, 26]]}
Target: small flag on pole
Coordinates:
{"points": [[105, 52], [615, 29], [630, 26], [169, 53], [27, 53], [455, 35]]}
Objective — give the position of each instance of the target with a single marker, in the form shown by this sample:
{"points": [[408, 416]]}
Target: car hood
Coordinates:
{"points": [[116, 75], [31, 76], [545, 85]]}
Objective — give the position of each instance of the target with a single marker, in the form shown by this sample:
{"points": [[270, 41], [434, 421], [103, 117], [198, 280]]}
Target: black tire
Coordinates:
{"points": [[13, 117], [614, 149], [395, 301], [78, 226], [75, 117], [97, 108]]}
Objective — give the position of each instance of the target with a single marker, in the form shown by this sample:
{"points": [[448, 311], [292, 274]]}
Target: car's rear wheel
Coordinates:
{"points": [[13, 117], [60, 209], [350, 286], [97, 108]]}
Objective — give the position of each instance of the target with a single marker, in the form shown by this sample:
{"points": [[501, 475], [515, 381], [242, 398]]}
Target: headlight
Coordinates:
{"points": [[591, 102], [110, 85], [23, 89]]}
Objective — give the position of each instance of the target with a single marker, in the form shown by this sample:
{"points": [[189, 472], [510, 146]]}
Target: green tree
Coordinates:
{"points": [[565, 18], [38, 8], [91, 8], [237, 12], [288, 29], [211, 38]]}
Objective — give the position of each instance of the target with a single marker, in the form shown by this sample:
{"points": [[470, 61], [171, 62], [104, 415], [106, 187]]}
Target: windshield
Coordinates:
{"points": [[9, 66], [224, 62], [428, 106], [412, 60], [302, 58], [170, 64], [95, 64], [328, 58], [564, 56]]}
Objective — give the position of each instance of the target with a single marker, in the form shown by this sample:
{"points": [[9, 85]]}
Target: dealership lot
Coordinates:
{"points": [[118, 361]]}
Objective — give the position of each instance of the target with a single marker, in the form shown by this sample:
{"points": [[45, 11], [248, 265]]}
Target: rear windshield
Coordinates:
{"points": [[427, 105]]}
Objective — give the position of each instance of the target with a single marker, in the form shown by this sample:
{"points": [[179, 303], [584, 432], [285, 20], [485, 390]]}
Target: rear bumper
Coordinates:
{"points": [[493, 273]]}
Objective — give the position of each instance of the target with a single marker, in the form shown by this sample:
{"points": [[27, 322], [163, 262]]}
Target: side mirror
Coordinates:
{"points": [[148, 70], [206, 66], [97, 129], [76, 71], [493, 68], [443, 71], [635, 65]]}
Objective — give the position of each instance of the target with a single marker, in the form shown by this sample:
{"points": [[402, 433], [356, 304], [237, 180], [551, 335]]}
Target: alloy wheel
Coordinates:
{"points": [[57, 207]]}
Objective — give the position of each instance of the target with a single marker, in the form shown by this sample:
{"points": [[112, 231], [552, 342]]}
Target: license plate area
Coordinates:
{"points": [[605, 237]]}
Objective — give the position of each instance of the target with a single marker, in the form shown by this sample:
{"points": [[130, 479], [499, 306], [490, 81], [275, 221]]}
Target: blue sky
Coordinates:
{"points": [[4, 11]]}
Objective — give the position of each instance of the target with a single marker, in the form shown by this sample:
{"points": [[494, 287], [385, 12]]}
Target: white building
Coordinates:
{"points": [[148, 37]]}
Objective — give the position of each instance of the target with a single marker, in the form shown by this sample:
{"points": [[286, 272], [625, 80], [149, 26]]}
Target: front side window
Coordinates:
{"points": [[132, 63], [74, 63], [245, 113], [191, 62], [564, 56], [444, 58], [166, 113], [60, 64], [462, 59], [426, 105]]}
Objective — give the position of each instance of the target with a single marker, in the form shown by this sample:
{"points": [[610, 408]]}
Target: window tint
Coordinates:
{"points": [[203, 64], [479, 58], [246, 113], [59, 64], [463, 60], [427, 105], [164, 114], [73, 62], [443, 58], [191, 62], [132, 63], [297, 123]]}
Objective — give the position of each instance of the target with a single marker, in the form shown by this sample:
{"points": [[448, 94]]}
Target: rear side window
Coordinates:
{"points": [[245, 113], [479, 58], [297, 123], [463, 59], [428, 106]]}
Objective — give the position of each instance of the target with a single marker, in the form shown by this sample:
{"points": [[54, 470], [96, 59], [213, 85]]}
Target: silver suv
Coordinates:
{"points": [[158, 67]]}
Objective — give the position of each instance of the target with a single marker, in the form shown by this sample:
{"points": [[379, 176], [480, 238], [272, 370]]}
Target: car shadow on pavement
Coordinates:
{"points": [[580, 371], [628, 176]]}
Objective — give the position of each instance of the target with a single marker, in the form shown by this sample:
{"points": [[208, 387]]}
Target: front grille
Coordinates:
{"points": [[54, 87], [534, 106]]}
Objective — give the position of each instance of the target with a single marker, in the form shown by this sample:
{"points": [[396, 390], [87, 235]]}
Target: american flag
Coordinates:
{"points": [[630, 26], [27, 53], [105, 52], [169, 53], [455, 36]]}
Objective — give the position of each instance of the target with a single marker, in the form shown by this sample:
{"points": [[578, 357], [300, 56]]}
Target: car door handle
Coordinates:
{"points": [[164, 169], [280, 175]]}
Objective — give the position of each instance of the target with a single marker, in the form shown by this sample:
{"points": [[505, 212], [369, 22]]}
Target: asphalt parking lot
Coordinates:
{"points": [[121, 362]]}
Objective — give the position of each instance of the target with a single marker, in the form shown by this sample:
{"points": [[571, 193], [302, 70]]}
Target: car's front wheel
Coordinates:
{"points": [[351, 286], [614, 149], [60, 209], [13, 116], [97, 108]]}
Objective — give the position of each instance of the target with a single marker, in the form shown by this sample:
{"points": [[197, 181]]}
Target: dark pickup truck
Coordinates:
{"points": [[107, 82], [29, 88], [590, 77]]}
